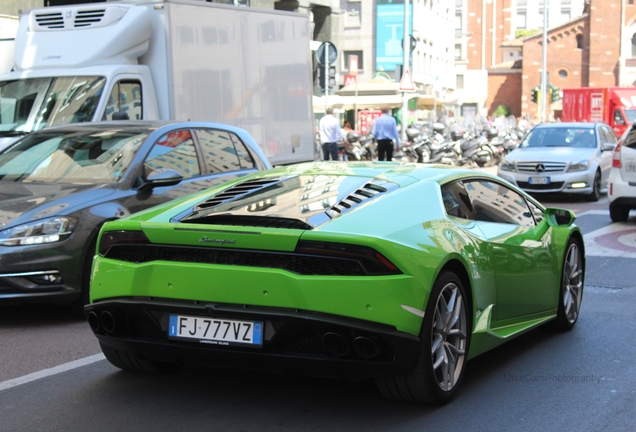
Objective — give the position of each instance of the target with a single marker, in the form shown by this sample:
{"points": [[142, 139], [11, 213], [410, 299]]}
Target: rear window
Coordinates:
{"points": [[629, 138]]}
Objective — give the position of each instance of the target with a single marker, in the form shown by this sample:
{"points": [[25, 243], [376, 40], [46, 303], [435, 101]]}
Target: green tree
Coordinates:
{"points": [[501, 110], [521, 33]]}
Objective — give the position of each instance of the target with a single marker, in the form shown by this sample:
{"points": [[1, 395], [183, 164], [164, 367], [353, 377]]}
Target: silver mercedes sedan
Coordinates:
{"points": [[562, 157]]}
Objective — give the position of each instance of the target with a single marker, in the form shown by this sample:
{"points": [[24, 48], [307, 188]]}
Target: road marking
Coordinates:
{"points": [[615, 240], [51, 371], [593, 212]]}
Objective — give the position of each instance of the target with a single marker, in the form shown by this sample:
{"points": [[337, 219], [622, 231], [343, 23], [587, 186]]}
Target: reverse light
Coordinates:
{"points": [[39, 232], [112, 238], [616, 156], [374, 262]]}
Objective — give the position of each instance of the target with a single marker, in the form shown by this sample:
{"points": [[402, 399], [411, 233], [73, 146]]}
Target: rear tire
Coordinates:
{"points": [[132, 363], [445, 338], [619, 213]]}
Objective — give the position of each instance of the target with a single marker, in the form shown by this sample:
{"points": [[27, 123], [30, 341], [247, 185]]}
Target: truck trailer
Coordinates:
{"points": [[615, 106], [164, 60]]}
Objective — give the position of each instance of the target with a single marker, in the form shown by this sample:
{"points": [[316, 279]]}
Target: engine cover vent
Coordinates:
{"points": [[85, 18], [67, 18]]}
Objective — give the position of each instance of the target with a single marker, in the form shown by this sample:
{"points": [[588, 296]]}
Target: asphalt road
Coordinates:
{"points": [[581, 380]]}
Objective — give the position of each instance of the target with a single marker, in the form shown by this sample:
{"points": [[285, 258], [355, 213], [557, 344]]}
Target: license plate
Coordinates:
{"points": [[630, 166], [215, 331], [539, 180]]}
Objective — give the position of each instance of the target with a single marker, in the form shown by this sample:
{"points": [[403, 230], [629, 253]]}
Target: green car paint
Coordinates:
{"points": [[513, 272]]}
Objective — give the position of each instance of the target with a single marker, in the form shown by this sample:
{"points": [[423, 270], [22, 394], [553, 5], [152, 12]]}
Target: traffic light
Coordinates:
{"points": [[536, 95], [331, 79], [555, 94], [321, 78]]}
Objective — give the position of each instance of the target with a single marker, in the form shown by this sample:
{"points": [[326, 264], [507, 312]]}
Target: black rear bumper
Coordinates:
{"points": [[293, 341]]}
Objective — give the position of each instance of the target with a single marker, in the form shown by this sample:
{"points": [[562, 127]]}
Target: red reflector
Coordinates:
{"points": [[616, 163], [385, 261]]}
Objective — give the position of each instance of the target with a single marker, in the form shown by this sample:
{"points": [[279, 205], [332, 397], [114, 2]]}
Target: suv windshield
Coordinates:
{"points": [[96, 156], [28, 105], [580, 137]]}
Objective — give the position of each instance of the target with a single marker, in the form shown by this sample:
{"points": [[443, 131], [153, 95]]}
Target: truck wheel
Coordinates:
{"points": [[619, 213]]}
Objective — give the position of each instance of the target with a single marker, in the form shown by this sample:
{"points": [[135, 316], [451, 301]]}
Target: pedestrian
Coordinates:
{"points": [[385, 132], [330, 132]]}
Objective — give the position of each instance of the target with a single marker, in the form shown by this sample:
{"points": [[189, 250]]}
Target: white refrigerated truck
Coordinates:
{"points": [[166, 60]]}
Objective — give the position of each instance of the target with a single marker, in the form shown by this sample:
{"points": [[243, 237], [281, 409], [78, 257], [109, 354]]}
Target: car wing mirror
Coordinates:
{"points": [[559, 217], [159, 178], [609, 146]]}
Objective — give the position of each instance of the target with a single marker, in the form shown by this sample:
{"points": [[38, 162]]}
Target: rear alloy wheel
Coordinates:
{"points": [[571, 287], [132, 363], [443, 354], [619, 213], [596, 189]]}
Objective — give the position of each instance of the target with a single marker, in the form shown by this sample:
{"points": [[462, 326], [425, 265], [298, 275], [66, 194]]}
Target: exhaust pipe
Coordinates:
{"points": [[108, 322], [335, 344], [93, 321], [365, 347]]}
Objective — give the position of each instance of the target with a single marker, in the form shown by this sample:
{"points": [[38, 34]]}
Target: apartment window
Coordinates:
{"points": [[353, 14], [565, 15], [579, 42], [458, 24], [459, 82], [459, 3], [347, 58], [540, 19], [521, 20], [567, 2], [458, 51], [634, 45], [522, 2]]}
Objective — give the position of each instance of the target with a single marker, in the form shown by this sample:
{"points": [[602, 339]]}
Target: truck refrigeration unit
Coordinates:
{"points": [[164, 60]]}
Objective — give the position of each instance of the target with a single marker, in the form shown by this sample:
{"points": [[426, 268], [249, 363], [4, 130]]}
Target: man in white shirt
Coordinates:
{"points": [[329, 133]]}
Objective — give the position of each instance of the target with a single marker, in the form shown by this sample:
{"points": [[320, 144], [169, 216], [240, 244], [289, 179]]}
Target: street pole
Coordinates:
{"points": [[406, 47], [544, 64], [326, 76]]}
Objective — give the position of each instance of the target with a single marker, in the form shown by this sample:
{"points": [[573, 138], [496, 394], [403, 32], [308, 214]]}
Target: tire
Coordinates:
{"points": [[132, 363], [423, 154], [571, 292], [619, 213], [84, 298], [427, 382], [596, 189]]}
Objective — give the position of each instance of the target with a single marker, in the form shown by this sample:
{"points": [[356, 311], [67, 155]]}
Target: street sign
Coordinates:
{"points": [[320, 53], [406, 83], [349, 80]]}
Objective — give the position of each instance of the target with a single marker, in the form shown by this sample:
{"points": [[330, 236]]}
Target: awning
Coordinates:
{"points": [[362, 102]]}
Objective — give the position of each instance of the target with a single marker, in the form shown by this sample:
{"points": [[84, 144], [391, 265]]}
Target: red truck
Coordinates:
{"points": [[615, 106]]}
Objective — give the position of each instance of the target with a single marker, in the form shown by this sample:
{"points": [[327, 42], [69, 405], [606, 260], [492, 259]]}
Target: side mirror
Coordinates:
{"points": [[559, 217], [159, 178], [609, 146]]}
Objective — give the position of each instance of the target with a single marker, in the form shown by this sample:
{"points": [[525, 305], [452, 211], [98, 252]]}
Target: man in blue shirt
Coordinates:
{"points": [[385, 131], [329, 133]]}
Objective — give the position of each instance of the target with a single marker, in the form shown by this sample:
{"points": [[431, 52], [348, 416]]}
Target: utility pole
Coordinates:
{"points": [[544, 64], [406, 45]]}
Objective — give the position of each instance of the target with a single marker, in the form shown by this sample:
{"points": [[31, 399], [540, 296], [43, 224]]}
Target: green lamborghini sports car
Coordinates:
{"points": [[397, 272]]}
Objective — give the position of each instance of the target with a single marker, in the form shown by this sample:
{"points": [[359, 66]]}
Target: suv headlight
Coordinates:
{"points": [[581, 166], [39, 232], [507, 166]]}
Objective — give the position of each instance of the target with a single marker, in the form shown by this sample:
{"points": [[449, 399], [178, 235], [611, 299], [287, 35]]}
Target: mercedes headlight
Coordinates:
{"points": [[39, 232], [581, 166], [507, 166]]}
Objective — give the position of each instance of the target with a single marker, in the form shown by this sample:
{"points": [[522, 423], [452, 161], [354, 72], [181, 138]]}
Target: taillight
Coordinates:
{"points": [[112, 238], [616, 156], [374, 262]]}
